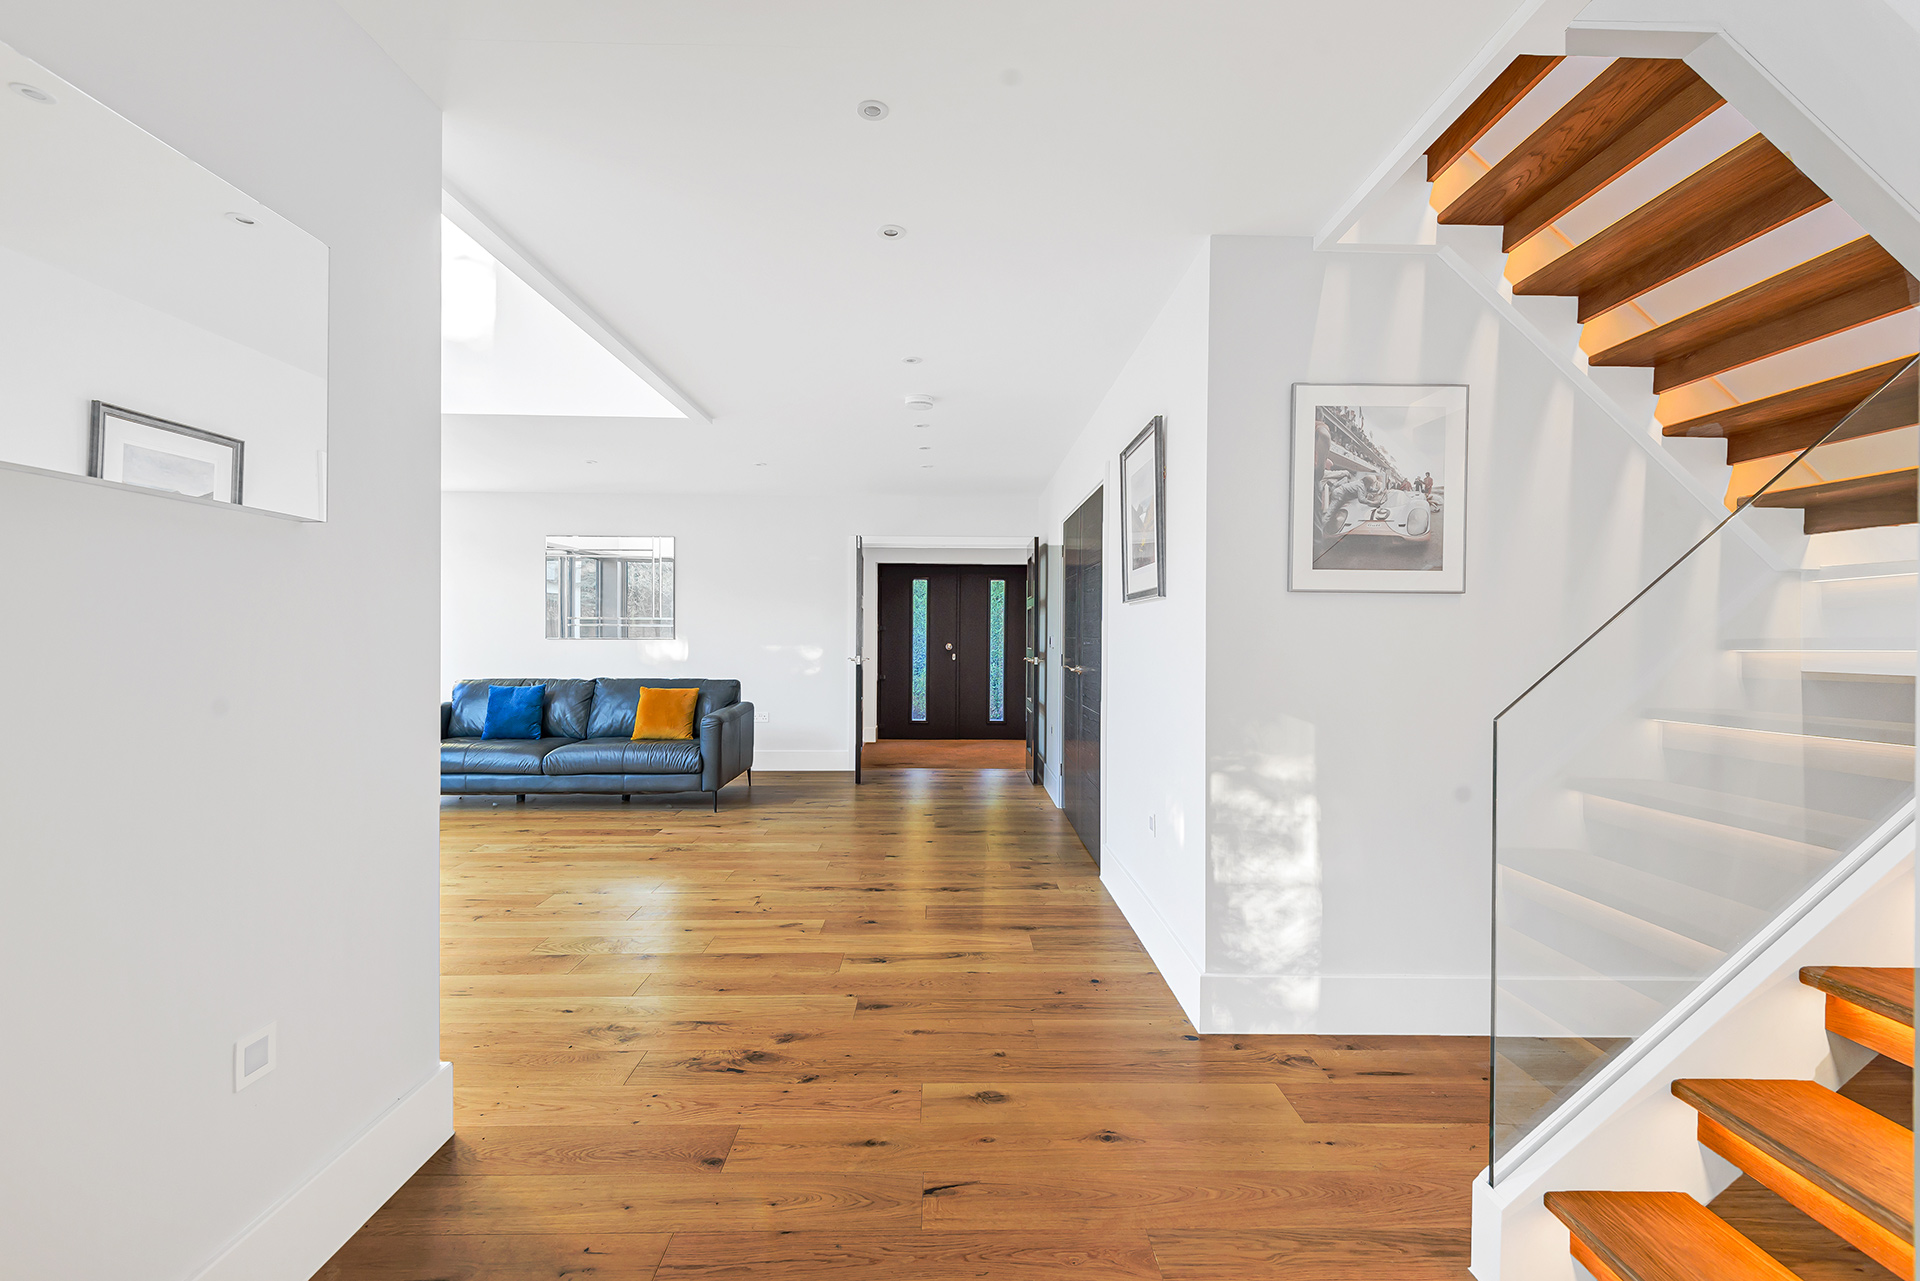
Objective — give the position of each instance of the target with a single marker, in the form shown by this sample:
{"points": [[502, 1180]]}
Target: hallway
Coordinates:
{"points": [[897, 1032]]}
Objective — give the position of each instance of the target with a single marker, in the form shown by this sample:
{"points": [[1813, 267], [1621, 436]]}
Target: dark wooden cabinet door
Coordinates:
{"points": [[1080, 661], [950, 644]]}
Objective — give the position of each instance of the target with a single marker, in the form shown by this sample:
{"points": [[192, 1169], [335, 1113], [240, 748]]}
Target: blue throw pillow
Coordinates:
{"points": [[513, 711]]}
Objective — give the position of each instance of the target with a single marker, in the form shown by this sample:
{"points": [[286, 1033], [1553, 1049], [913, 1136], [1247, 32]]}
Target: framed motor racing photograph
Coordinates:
{"points": [[1379, 488]]}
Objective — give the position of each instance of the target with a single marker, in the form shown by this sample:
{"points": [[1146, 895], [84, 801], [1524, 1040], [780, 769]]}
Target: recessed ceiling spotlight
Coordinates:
{"points": [[919, 400], [893, 231], [240, 218], [926, 446], [873, 109], [923, 424], [32, 94], [759, 464], [592, 461], [926, 466], [910, 360]]}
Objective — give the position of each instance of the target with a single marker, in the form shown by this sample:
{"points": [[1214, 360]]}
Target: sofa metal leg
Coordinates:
{"points": [[749, 778], [520, 799], [626, 798], [716, 800]]}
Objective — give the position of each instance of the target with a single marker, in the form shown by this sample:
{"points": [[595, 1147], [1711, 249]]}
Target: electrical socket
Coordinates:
{"points": [[761, 718], [255, 1055]]}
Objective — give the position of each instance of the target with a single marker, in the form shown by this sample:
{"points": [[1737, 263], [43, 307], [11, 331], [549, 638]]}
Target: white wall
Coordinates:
{"points": [[1153, 715], [1348, 735], [764, 594], [218, 786]]}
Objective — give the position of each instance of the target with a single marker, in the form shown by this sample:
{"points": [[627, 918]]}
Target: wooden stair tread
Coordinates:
{"points": [[1792, 420], [1858, 502], [1887, 991], [1486, 111], [1661, 1236], [1629, 111], [1739, 196], [1841, 289], [1851, 1153]]}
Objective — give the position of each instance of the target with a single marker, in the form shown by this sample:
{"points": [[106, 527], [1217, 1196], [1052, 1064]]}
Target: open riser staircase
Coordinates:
{"points": [[1843, 1165], [1745, 730]]}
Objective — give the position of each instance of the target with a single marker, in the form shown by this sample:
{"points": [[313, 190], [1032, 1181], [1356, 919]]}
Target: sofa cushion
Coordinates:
{"points": [[513, 711], [495, 755], [625, 756], [563, 716], [664, 713], [614, 700]]}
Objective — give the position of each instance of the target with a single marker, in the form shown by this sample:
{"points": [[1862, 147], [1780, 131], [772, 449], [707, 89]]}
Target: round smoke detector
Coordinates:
{"points": [[893, 231], [919, 401], [873, 109]]}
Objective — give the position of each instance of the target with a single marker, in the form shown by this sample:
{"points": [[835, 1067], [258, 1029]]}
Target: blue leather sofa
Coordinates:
{"points": [[586, 742]]}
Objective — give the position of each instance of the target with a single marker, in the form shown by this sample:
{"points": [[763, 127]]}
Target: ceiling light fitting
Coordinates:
{"points": [[873, 109], [240, 218], [910, 360], [32, 94], [923, 424], [893, 231], [919, 400]]}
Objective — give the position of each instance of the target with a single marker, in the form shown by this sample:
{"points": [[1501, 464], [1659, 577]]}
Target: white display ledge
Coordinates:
{"points": [[159, 493]]}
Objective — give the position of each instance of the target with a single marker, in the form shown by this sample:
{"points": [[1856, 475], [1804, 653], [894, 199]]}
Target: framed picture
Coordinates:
{"points": [[1379, 488], [1143, 513], [139, 449]]}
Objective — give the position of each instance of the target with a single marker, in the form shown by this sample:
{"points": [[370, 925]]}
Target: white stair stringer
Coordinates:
{"points": [[1621, 1127]]}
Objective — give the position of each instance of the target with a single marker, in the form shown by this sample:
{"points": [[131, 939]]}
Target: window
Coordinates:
{"points": [[601, 588], [919, 649], [997, 651]]}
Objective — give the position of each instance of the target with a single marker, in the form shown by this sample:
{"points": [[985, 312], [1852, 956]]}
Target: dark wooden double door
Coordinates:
{"points": [[952, 646]]}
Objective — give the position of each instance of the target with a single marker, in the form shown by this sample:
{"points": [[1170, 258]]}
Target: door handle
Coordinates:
{"points": [[1077, 671]]}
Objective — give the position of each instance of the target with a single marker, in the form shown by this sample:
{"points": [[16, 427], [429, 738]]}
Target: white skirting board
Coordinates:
{"points": [[291, 1241], [1163, 945], [1345, 1004], [776, 759]]}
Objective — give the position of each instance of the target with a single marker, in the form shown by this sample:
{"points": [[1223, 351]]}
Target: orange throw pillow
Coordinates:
{"points": [[665, 713]]}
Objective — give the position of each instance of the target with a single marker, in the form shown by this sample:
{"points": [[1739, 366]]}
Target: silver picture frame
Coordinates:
{"points": [[145, 452], [1143, 514]]}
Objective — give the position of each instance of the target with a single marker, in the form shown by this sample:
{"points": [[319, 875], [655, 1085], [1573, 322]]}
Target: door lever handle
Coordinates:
{"points": [[1077, 671]]}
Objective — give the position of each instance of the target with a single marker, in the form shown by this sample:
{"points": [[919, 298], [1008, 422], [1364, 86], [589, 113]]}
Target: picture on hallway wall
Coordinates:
{"points": [[1379, 488], [139, 449], [1143, 513]]}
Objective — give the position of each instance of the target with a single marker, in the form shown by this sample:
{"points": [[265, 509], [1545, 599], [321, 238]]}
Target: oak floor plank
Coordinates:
{"points": [[1308, 1253], [484, 1257], [627, 1202], [583, 1149], [919, 1256], [1194, 1200], [987, 1149]]}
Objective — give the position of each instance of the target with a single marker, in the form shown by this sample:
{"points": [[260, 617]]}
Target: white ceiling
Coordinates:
{"points": [[695, 172]]}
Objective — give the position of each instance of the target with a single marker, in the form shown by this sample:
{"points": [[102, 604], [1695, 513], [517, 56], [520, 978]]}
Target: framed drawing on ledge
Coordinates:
{"points": [[139, 449], [1379, 488], [1143, 513]]}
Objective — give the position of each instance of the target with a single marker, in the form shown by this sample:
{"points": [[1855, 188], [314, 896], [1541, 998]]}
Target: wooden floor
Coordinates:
{"points": [[892, 1034], [945, 753]]}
